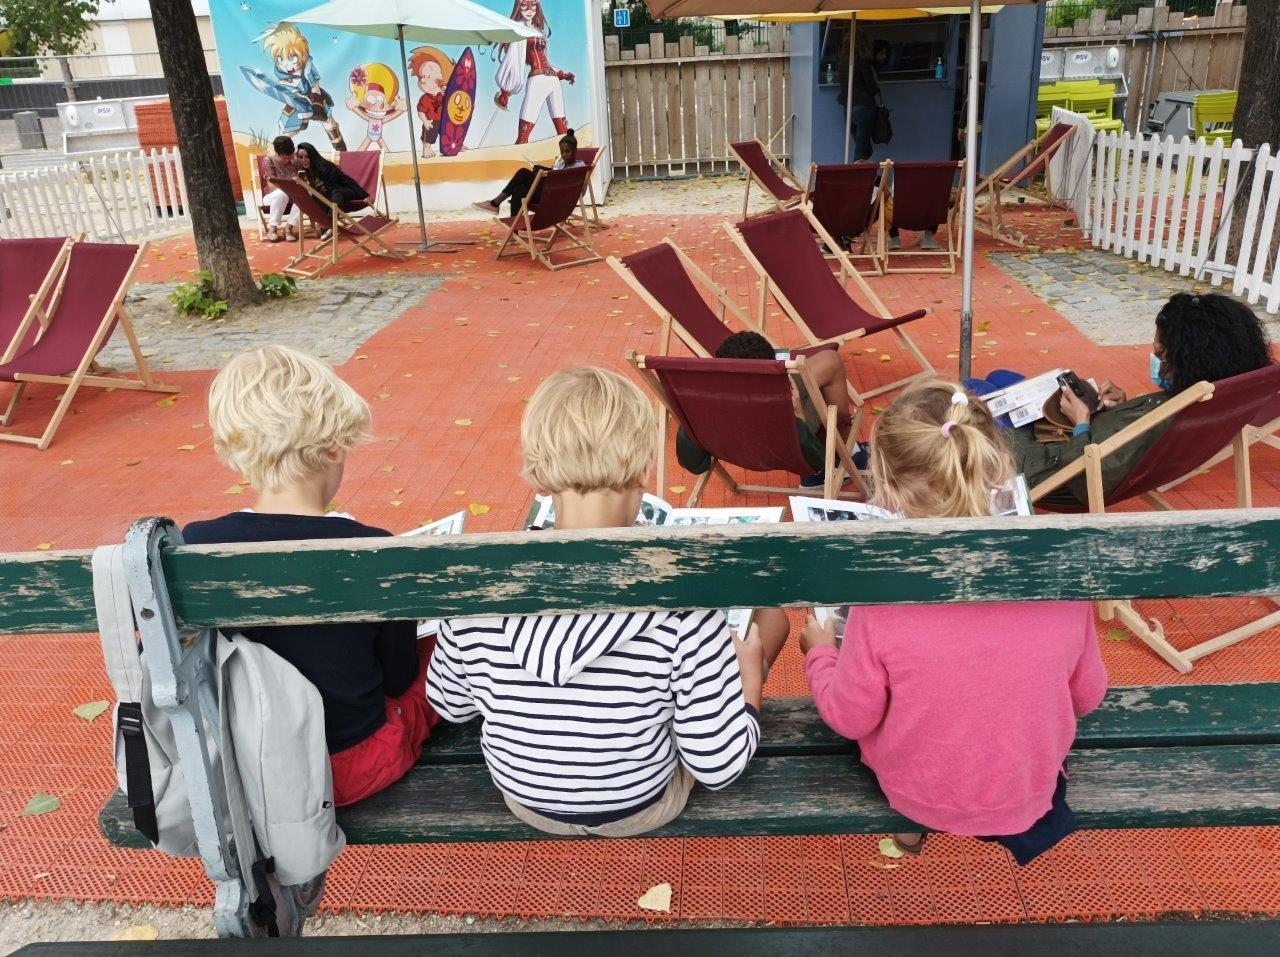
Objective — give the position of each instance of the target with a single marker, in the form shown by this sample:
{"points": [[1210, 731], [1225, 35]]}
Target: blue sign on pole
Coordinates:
{"points": [[622, 18]]}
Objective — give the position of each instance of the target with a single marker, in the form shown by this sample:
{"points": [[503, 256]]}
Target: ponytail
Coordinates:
{"points": [[935, 453]]}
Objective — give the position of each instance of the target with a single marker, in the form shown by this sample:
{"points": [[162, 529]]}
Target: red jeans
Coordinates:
{"points": [[384, 757]]}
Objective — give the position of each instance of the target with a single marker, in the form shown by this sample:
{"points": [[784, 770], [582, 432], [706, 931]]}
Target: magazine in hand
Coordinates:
{"points": [[655, 511], [1024, 401], [449, 525], [1011, 498]]}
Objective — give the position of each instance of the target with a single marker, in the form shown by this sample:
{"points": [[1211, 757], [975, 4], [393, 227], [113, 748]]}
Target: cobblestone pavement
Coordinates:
{"points": [[330, 318], [1111, 300]]}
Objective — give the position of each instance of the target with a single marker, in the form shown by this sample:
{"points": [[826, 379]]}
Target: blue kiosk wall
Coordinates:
{"points": [[924, 108]]}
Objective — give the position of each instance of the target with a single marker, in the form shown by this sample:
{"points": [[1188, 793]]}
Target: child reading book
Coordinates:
{"points": [[965, 712], [285, 421], [602, 723]]}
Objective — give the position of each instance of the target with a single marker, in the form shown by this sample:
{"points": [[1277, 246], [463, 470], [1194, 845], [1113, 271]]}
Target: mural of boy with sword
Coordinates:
{"points": [[295, 84]]}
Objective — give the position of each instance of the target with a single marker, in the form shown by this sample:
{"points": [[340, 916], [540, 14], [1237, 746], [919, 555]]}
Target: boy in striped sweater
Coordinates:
{"points": [[601, 724]]}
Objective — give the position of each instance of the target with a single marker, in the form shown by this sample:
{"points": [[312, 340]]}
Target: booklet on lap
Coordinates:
{"points": [[449, 525]]}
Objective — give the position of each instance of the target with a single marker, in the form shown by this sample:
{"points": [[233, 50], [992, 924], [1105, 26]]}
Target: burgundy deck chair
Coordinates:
{"points": [[1198, 424], [844, 198], [350, 233], [922, 199], [365, 167], [88, 310], [740, 412], [29, 272], [544, 217], [589, 206], [1014, 176], [769, 172], [790, 266], [261, 186]]}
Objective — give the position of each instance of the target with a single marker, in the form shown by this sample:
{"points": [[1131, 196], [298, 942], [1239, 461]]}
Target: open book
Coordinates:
{"points": [[449, 525], [1011, 498], [655, 511]]}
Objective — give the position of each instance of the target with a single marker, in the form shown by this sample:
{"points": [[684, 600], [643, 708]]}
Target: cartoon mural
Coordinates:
{"points": [[479, 112]]}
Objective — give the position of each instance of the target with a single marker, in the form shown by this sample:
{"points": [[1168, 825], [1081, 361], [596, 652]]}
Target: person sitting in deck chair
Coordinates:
{"points": [[285, 422], [964, 712], [518, 186], [281, 165], [828, 373], [601, 724], [328, 180], [1201, 338]]}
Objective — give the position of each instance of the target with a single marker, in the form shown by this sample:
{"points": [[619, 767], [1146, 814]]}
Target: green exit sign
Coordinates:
{"points": [[6, 81]]}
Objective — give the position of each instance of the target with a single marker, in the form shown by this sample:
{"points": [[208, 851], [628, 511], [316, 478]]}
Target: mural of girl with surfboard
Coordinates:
{"points": [[375, 98], [543, 85], [295, 83]]}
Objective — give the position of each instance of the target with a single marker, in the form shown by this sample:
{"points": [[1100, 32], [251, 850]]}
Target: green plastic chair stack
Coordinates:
{"points": [[1047, 97], [1093, 99]]}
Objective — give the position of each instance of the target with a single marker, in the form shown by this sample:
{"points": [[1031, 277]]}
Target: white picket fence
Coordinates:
{"points": [[1171, 203], [124, 196]]}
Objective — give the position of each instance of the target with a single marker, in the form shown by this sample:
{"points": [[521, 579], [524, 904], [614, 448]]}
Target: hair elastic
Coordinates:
{"points": [[947, 426]]}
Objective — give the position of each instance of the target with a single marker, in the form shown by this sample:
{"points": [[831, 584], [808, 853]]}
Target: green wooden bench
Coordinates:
{"points": [[1152, 757]]}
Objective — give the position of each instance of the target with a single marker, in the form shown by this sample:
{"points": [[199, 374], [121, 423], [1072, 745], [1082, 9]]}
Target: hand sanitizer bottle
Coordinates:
{"points": [[939, 71]]}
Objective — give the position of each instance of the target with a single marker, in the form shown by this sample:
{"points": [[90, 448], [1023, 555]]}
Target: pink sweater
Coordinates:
{"points": [[964, 711]]}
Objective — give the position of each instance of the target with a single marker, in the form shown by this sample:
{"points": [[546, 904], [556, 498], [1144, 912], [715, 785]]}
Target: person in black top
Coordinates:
{"points": [[328, 180], [865, 102], [285, 421]]}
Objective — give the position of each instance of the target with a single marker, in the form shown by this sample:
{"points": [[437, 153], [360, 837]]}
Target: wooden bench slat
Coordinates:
{"points": [[1234, 785]]}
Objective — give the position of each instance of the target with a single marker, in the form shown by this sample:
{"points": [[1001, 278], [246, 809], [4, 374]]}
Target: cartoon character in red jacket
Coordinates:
{"points": [[543, 84]]}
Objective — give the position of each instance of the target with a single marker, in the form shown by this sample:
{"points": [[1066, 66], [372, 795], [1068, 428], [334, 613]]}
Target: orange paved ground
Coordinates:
{"points": [[473, 351]]}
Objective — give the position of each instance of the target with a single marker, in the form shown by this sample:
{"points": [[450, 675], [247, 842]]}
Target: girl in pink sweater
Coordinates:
{"points": [[964, 711]]}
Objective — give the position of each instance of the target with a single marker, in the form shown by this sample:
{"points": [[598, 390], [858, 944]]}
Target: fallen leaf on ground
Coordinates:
{"points": [[460, 491], [41, 804], [396, 504], [44, 546], [136, 932], [1117, 634], [67, 462], [477, 509], [388, 469], [134, 462], [91, 710], [461, 421], [888, 848], [236, 489], [514, 378], [166, 402], [884, 865], [677, 489], [186, 448], [657, 897]]}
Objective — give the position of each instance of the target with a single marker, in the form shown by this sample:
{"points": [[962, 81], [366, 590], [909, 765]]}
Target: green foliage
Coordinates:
{"points": [[1065, 13], [277, 286], [196, 298], [705, 33], [48, 27]]}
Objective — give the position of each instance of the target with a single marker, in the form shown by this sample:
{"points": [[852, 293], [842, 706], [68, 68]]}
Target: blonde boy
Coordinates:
{"points": [[285, 422], [600, 723]]}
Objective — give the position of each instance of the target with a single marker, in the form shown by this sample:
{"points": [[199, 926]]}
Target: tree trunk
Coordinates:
{"points": [[64, 66], [219, 242], [1257, 118]]}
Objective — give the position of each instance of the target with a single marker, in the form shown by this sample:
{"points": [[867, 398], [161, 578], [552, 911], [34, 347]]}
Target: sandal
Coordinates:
{"points": [[913, 849], [272, 235], [290, 236]]}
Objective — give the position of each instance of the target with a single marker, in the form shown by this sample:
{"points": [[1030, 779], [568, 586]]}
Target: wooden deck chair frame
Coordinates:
{"points": [[951, 251], [81, 376], [989, 217], [786, 174], [50, 288], [1090, 465], [257, 189], [520, 231], [768, 287], [588, 206], [838, 454], [876, 254], [328, 252]]}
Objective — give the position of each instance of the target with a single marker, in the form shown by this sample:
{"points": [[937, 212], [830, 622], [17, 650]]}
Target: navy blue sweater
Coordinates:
{"points": [[355, 667]]}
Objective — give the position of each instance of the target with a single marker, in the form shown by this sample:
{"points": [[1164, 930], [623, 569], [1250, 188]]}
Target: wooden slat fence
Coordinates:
{"points": [[675, 107], [1165, 51], [1171, 204], [126, 196]]}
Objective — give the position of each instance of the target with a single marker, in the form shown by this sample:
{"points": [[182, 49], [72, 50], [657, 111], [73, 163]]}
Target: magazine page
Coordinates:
{"points": [[1012, 498], [804, 509], [449, 525], [542, 513], [1024, 401], [739, 618]]}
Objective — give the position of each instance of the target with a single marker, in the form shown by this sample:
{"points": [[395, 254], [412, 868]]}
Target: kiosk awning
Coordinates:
{"points": [[810, 9]]}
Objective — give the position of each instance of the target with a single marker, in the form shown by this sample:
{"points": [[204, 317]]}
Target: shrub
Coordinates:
{"points": [[196, 298], [277, 286]]}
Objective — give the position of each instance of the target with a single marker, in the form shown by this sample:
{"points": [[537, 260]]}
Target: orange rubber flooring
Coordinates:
{"points": [[447, 382]]}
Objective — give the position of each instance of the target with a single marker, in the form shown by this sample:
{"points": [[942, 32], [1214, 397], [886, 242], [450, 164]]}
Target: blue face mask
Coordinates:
{"points": [[1160, 381]]}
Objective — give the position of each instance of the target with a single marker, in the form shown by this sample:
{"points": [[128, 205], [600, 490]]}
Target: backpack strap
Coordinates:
{"points": [[124, 668]]}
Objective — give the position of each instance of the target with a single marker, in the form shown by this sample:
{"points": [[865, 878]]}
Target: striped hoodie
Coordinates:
{"points": [[585, 716]]}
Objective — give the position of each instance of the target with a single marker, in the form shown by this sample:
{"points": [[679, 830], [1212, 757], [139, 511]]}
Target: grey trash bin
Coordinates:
{"points": [[30, 132]]}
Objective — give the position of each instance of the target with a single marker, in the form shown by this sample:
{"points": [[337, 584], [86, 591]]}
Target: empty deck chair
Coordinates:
{"points": [[740, 412], [923, 199], [845, 199], [1014, 176], [88, 310], [365, 167], [29, 274], [544, 217], [351, 232], [790, 266], [769, 172], [1198, 424], [589, 206]]}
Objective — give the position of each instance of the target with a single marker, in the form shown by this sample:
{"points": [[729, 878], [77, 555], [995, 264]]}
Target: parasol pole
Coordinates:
{"points": [[970, 185], [423, 244], [848, 93]]}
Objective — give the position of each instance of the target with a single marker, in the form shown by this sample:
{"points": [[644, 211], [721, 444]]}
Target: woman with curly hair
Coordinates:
{"points": [[1198, 339]]}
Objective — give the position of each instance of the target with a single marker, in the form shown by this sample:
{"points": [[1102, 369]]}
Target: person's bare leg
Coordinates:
{"points": [[828, 372], [773, 628]]}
